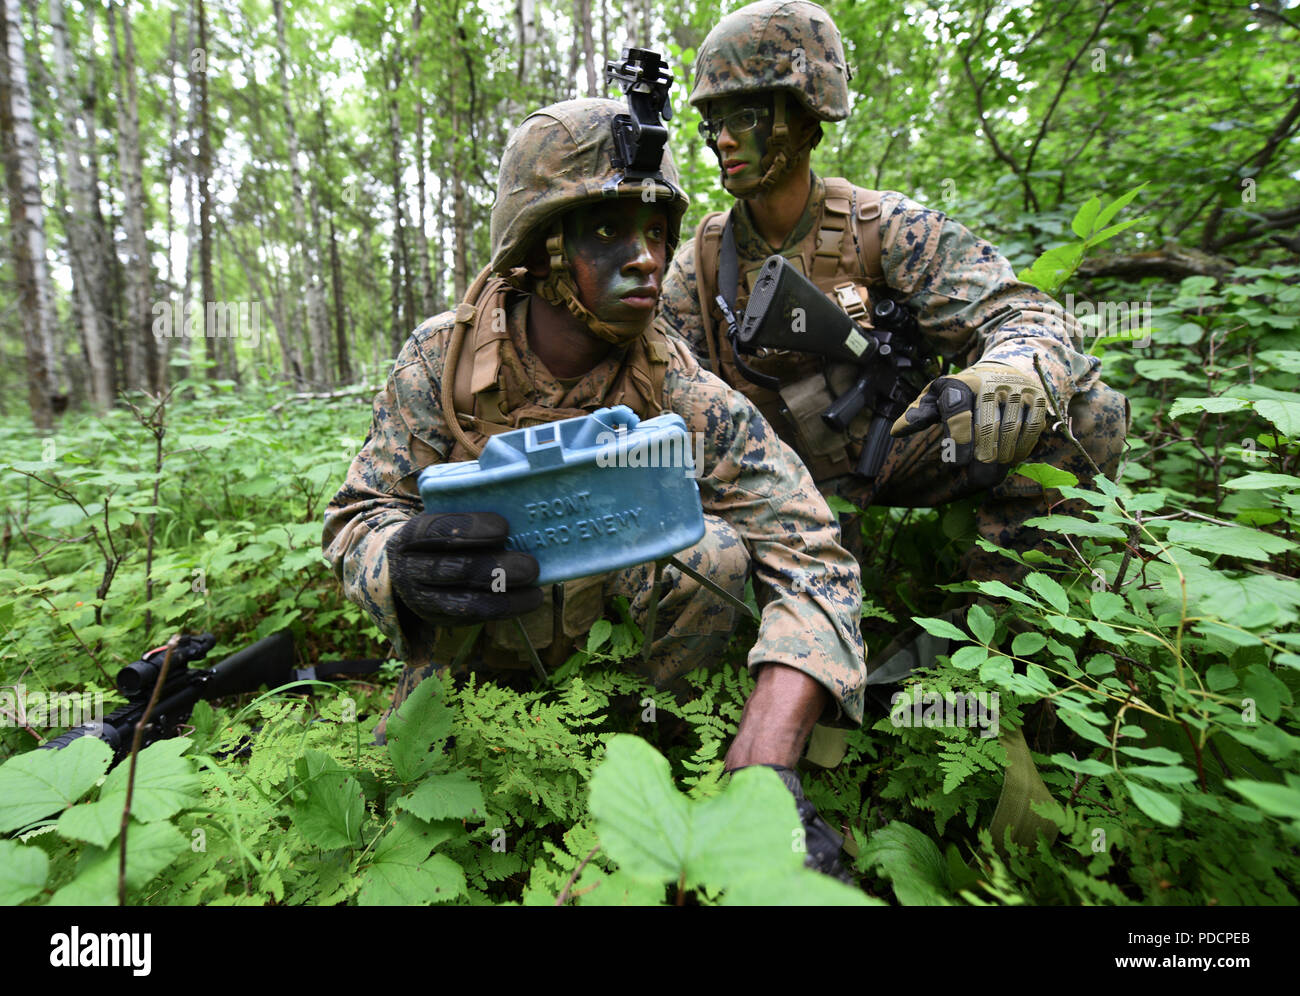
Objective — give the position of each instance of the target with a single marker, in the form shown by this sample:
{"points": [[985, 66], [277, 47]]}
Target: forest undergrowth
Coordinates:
{"points": [[1151, 658]]}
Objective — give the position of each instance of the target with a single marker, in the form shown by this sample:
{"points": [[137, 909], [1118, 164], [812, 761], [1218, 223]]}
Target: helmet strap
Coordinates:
{"points": [[785, 150]]}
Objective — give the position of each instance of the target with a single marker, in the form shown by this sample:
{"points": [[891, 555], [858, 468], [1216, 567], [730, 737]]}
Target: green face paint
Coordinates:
{"points": [[741, 153], [618, 251]]}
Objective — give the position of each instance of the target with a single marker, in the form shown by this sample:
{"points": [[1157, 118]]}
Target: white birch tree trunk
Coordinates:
{"points": [[318, 361], [422, 237], [85, 242], [27, 215], [583, 16], [138, 325]]}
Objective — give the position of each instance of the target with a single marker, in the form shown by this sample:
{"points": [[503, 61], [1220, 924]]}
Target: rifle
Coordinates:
{"points": [[787, 311], [269, 662]]}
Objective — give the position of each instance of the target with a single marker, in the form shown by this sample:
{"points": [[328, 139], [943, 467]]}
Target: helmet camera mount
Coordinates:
{"points": [[640, 137]]}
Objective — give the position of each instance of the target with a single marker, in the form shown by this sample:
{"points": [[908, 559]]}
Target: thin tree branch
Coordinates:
{"points": [[130, 775], [564, 893], [1065, 82], [1054, 406]]}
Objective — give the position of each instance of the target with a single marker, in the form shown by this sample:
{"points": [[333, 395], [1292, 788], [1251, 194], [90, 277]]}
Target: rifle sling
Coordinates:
{"points": [[728, 280]]}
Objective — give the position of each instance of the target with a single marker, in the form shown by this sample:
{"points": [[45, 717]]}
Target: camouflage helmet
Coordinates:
{"points": [[787, 45], [560, 157]]}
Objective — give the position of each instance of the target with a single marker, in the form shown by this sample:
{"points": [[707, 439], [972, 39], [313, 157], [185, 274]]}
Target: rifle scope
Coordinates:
{"points": [[136, 680]]}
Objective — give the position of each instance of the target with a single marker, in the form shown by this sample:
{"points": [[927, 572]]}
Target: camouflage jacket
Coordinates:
{"points": [[807, 584], [953, 280]]}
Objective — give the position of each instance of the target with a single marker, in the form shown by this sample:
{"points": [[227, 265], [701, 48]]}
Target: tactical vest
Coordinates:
{"points": [[490, 383], [485, 392], [842, 256]]}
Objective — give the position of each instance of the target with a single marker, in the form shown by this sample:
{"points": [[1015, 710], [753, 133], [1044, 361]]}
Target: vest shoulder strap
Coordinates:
{"points": [[864, 206], [475, 380], [461, 393], [847, 207], [658, 353], [830, 256], [708, 250]]}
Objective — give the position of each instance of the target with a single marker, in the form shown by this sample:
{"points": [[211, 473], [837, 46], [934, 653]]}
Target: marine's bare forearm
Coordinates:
{"points": [[778, 718]]}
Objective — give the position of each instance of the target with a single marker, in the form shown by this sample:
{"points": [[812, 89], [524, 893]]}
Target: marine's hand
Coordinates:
{"points": [[992, 412], [453, 569], [823, 844]]}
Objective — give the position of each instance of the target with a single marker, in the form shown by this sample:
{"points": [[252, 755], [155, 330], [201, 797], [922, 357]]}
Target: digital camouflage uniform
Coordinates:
{"points": [[764, 516], [955, 282]]}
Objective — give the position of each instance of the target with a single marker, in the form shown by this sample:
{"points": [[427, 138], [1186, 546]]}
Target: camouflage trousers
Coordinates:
{"points": [[915, 475], [692, 625]]}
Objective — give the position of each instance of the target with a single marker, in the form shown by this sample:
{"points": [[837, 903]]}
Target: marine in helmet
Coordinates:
{"points": [[559, 324], [766, 80]]}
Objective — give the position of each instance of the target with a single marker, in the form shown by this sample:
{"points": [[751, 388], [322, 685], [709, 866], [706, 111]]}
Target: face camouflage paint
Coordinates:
{"points": [[741, 152], [618, 251]]}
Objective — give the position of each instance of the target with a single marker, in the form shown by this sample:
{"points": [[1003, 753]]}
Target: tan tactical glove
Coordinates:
{"points": [[991, 411]]}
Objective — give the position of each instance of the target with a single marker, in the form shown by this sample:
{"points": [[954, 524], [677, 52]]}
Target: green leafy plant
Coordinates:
{"points": [[1092, 225], [744, 842]]}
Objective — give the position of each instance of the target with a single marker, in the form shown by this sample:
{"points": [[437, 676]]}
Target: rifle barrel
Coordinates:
{"points": [[268, 662]]}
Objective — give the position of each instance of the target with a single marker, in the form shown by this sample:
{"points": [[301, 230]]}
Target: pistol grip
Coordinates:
{"points": [[845, 408]]}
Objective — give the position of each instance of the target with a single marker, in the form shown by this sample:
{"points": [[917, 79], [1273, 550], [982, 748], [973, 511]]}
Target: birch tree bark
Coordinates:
{"points": [[105, 265], [526, 38], [137, 330], [170, 158], [290, 356], [224, 362], [403, 296], [40, 92], [26, 213], [183, 150], [604, 31], [459, 209], [86, 247], [582, 14], [336, 266], [422, 231], [439, 240], [318, 361]]}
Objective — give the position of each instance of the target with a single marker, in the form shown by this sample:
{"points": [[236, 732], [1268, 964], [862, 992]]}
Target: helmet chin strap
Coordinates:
{"points": [[560, 290], [783, 153]]}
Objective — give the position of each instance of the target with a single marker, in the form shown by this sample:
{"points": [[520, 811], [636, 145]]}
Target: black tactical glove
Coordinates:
{"points": [[452, 569], [823, 844]]}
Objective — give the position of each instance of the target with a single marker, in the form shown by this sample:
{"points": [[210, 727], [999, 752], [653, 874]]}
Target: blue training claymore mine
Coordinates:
{"points": [[585, 495]]}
